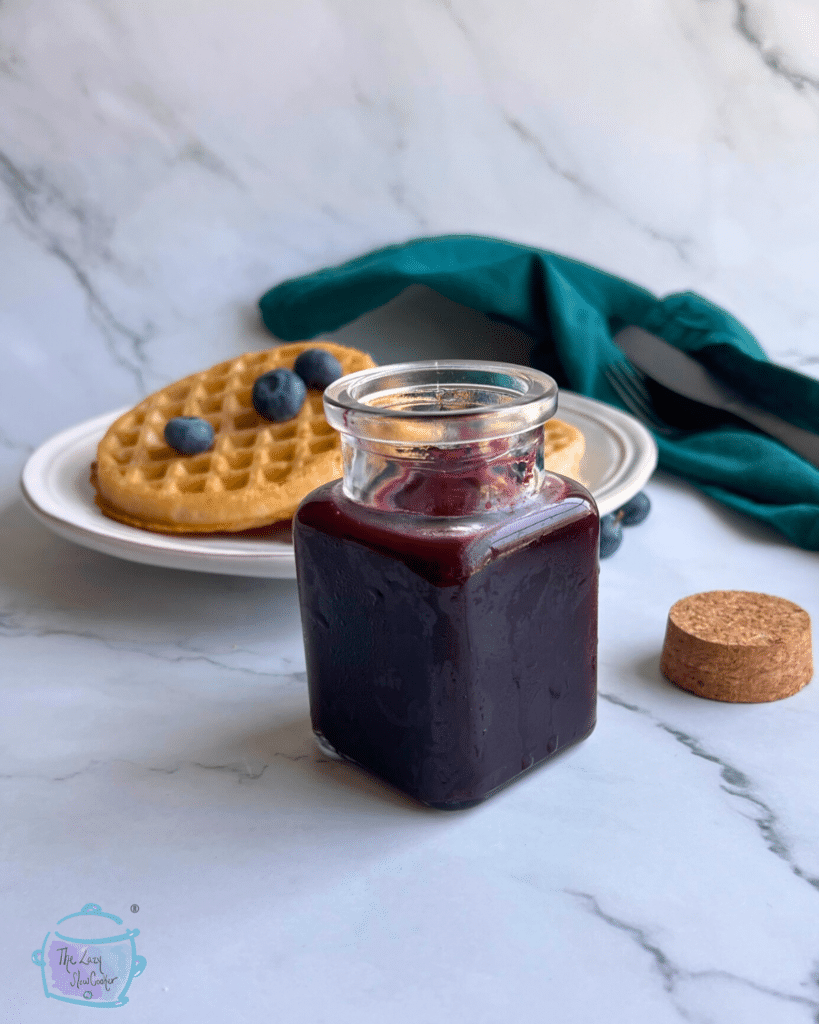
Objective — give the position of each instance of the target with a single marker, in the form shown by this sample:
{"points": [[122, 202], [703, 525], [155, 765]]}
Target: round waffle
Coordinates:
{"points": [[564, 448], [255, 474]]}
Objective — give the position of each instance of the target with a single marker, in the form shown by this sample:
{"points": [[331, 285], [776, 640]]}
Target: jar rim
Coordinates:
{"points": [[440, 401]]}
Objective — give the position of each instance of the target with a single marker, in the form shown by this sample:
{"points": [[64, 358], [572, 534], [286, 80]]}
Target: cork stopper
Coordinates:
{"points": [[738, 646]]}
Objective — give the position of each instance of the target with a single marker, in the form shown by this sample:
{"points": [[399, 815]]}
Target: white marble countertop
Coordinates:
{"points": [[161, 165]]}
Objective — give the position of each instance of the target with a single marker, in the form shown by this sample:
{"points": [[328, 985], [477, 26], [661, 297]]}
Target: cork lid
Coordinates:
{"points": [[738, 646]]}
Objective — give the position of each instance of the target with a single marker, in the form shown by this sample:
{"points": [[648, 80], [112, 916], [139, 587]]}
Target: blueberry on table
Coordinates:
{"points": [[635, 511], [317, 368], [278, 395], [189, 435], [611, 535]]}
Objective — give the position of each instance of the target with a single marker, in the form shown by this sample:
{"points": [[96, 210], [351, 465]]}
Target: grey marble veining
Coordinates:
{"points": [[161, 165]]}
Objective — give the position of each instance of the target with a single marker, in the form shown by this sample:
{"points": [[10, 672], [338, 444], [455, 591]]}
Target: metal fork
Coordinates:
{"points": [[630, 387]]}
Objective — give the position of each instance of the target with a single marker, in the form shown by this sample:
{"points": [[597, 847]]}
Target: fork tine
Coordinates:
{"points": [[634, 380], [634, 395], [632, 392], [628, 385]]}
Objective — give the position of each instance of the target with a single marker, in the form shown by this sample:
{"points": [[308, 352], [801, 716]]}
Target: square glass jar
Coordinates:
{"points": [[448, 583]]}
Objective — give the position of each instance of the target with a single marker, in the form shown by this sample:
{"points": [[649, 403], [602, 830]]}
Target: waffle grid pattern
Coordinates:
{"points": [[255, 474], [563, 448]]}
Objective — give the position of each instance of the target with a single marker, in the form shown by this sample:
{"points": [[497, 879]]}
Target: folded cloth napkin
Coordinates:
{"points": [[572, 311]]}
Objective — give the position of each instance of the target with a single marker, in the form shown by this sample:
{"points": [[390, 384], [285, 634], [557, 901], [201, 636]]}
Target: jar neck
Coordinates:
{"points": [[444, 437], [454, 480]]}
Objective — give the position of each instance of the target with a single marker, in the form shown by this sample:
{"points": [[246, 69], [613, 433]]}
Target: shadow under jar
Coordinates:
{"points": [[448, 584]]}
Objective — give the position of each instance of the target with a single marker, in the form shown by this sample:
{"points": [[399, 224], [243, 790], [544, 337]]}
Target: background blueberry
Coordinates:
{"points": [[317, 368], [611, 535], [189, 435], [635, 510], [278, 395]]}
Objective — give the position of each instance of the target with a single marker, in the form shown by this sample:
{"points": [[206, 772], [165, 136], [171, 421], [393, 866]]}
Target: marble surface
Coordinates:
{"points": [[161, 164]]}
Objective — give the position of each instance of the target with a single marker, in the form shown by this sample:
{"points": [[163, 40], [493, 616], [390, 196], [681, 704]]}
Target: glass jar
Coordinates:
{"points": [[448, 584]]}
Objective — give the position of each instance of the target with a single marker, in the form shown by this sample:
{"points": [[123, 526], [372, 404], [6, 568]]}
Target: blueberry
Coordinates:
{"points": [[317, 368], [278, 395], [189, 435], [635, 510], [611, 535]]}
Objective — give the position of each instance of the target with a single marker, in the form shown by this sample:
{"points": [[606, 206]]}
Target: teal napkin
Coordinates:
{"points": [[572, 311]]}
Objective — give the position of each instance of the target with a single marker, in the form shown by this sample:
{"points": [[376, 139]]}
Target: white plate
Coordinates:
{"points": [[620, 457]]}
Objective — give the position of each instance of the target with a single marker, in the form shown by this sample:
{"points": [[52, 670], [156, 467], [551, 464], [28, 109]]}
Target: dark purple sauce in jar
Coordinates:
{"points": [[448, 584]]}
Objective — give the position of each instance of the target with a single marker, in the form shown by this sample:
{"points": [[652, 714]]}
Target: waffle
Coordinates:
{"points": [[255, 474], [564, 448]]}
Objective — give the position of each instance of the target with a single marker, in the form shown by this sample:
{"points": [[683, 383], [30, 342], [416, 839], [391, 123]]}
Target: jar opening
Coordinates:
{"points": [[440, 402]]}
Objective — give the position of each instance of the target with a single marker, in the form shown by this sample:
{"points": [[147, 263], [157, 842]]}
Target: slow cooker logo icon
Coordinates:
{"points": [[89, 959]]}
